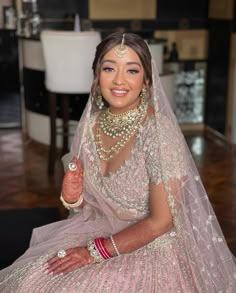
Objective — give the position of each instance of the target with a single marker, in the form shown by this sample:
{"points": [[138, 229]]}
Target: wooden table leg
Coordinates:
{"points": [[52, 147], [65, 126]]}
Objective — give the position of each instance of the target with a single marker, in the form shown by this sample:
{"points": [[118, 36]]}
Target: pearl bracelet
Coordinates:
{"points": [[114, 245], [70, 206]]}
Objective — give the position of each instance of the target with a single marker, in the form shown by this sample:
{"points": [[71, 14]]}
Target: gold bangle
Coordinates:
{"points": [[70, 206]]}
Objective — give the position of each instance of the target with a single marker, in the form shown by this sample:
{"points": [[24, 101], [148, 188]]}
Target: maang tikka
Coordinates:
{"points": [[121, 50]]}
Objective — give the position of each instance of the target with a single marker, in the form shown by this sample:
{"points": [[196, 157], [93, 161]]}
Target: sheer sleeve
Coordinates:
{"points": [[163, 151]]}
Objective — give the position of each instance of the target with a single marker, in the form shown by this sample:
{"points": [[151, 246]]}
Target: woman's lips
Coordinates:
{"points": [[119, 92]]}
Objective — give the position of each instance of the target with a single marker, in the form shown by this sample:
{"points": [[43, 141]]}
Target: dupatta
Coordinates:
{"points": [[213, 265]]}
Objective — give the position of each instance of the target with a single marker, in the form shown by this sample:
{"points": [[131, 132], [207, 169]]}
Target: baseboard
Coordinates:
{"points": [[191, 127], [211, 131], [214, 134]]}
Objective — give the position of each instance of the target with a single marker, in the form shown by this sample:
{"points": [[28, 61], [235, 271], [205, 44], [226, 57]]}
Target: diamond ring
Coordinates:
{"points": [[61, 253], [72, 166]]}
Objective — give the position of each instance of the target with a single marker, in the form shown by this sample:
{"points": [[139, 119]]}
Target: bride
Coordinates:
{"points": [[142, 220]]}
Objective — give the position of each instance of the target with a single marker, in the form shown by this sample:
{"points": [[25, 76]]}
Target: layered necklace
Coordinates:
{"points": [[122, 125]]}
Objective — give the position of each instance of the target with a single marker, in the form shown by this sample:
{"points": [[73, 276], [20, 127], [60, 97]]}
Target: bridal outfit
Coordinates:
{"points": [[192, 257]]}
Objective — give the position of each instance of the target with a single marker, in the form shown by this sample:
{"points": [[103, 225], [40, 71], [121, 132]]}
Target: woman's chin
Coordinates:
{"points": [[122, 107]]}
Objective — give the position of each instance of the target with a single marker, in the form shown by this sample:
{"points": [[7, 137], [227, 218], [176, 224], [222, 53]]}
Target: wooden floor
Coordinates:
{"points": [[25, 184]]}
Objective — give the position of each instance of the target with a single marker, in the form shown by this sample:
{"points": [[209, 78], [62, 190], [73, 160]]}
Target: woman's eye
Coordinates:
{"points": [[107, 69], [133, 71]]}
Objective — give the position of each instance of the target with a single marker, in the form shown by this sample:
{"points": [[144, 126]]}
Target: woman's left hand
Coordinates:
{"points": [[75, 258]]}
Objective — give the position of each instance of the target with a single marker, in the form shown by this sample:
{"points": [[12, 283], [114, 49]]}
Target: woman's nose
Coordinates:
{"points": [[119, 78]]}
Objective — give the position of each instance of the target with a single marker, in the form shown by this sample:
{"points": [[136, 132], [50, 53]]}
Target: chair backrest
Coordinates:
{"points": [[68, 57]]}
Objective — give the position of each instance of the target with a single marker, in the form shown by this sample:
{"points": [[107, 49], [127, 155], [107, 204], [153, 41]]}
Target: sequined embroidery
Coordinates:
{"points": [[128, 188]]}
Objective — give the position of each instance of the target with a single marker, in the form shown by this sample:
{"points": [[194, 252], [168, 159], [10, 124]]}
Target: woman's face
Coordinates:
{"points": [[121, 80]]}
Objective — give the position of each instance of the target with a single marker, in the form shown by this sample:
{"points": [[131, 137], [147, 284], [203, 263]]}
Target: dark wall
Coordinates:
{"points": [[9, 73], [62, 8], [218, 69], [220, 32], [168, 9]]}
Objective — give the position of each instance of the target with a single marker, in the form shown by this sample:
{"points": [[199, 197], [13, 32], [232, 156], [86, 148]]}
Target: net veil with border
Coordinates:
{"points": [[213, 265]]}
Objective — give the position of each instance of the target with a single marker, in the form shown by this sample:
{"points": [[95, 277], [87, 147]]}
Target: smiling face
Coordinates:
{"points": [[121, 80]]}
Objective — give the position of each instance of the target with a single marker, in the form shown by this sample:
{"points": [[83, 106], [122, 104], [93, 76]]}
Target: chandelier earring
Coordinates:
{"points": [[143, 94], [99, 100]]}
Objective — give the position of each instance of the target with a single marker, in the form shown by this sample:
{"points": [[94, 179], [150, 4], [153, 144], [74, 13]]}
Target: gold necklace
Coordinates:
{"points": [[116, 125], [107, 154]]}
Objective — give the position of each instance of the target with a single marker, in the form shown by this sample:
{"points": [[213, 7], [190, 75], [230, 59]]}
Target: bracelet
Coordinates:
{"points": [[114, 245], [94, 252], [99, 243], [72, 205]]}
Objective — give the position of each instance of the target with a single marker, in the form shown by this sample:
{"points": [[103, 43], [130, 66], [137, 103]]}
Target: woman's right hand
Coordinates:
{"points": [[75, 258], [72, 185]]}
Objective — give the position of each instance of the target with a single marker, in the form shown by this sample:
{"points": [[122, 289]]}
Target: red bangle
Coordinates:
{"points": [[104, 248], [99, 243], [99, 248]]}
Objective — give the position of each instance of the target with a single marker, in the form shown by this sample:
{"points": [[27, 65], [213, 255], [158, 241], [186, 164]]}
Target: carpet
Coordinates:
{"points": [[16, 227]]}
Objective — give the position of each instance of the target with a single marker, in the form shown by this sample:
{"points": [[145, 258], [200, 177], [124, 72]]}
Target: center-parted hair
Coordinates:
{"points": [[131, 40]]}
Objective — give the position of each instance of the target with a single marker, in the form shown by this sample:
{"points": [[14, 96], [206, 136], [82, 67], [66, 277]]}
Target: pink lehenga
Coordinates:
{"points": [[192, 257]]}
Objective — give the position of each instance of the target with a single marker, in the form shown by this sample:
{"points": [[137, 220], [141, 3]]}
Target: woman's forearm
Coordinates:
{"points": [[138, 235]]}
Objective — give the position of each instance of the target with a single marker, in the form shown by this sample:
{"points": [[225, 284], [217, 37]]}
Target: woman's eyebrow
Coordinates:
{"points": [[134, 63], [128, 63], [108, 60]]}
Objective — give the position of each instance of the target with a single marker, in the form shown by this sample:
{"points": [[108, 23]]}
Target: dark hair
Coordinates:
{"points": [[131, 40]]}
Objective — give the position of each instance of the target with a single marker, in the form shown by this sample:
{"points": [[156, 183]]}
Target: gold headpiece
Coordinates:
{"points": [[121, 49]]}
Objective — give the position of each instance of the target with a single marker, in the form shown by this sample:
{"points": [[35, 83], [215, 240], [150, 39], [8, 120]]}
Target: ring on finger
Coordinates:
{"points": [[61, 253], [72, 166]]}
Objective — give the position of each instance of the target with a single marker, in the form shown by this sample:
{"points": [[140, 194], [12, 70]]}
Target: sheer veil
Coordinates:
{"points": [[212, 263], [213, 266]]}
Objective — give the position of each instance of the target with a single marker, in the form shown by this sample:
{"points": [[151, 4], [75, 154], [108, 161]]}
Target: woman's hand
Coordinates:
{"points": [[72, 185], [75, 258]]}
